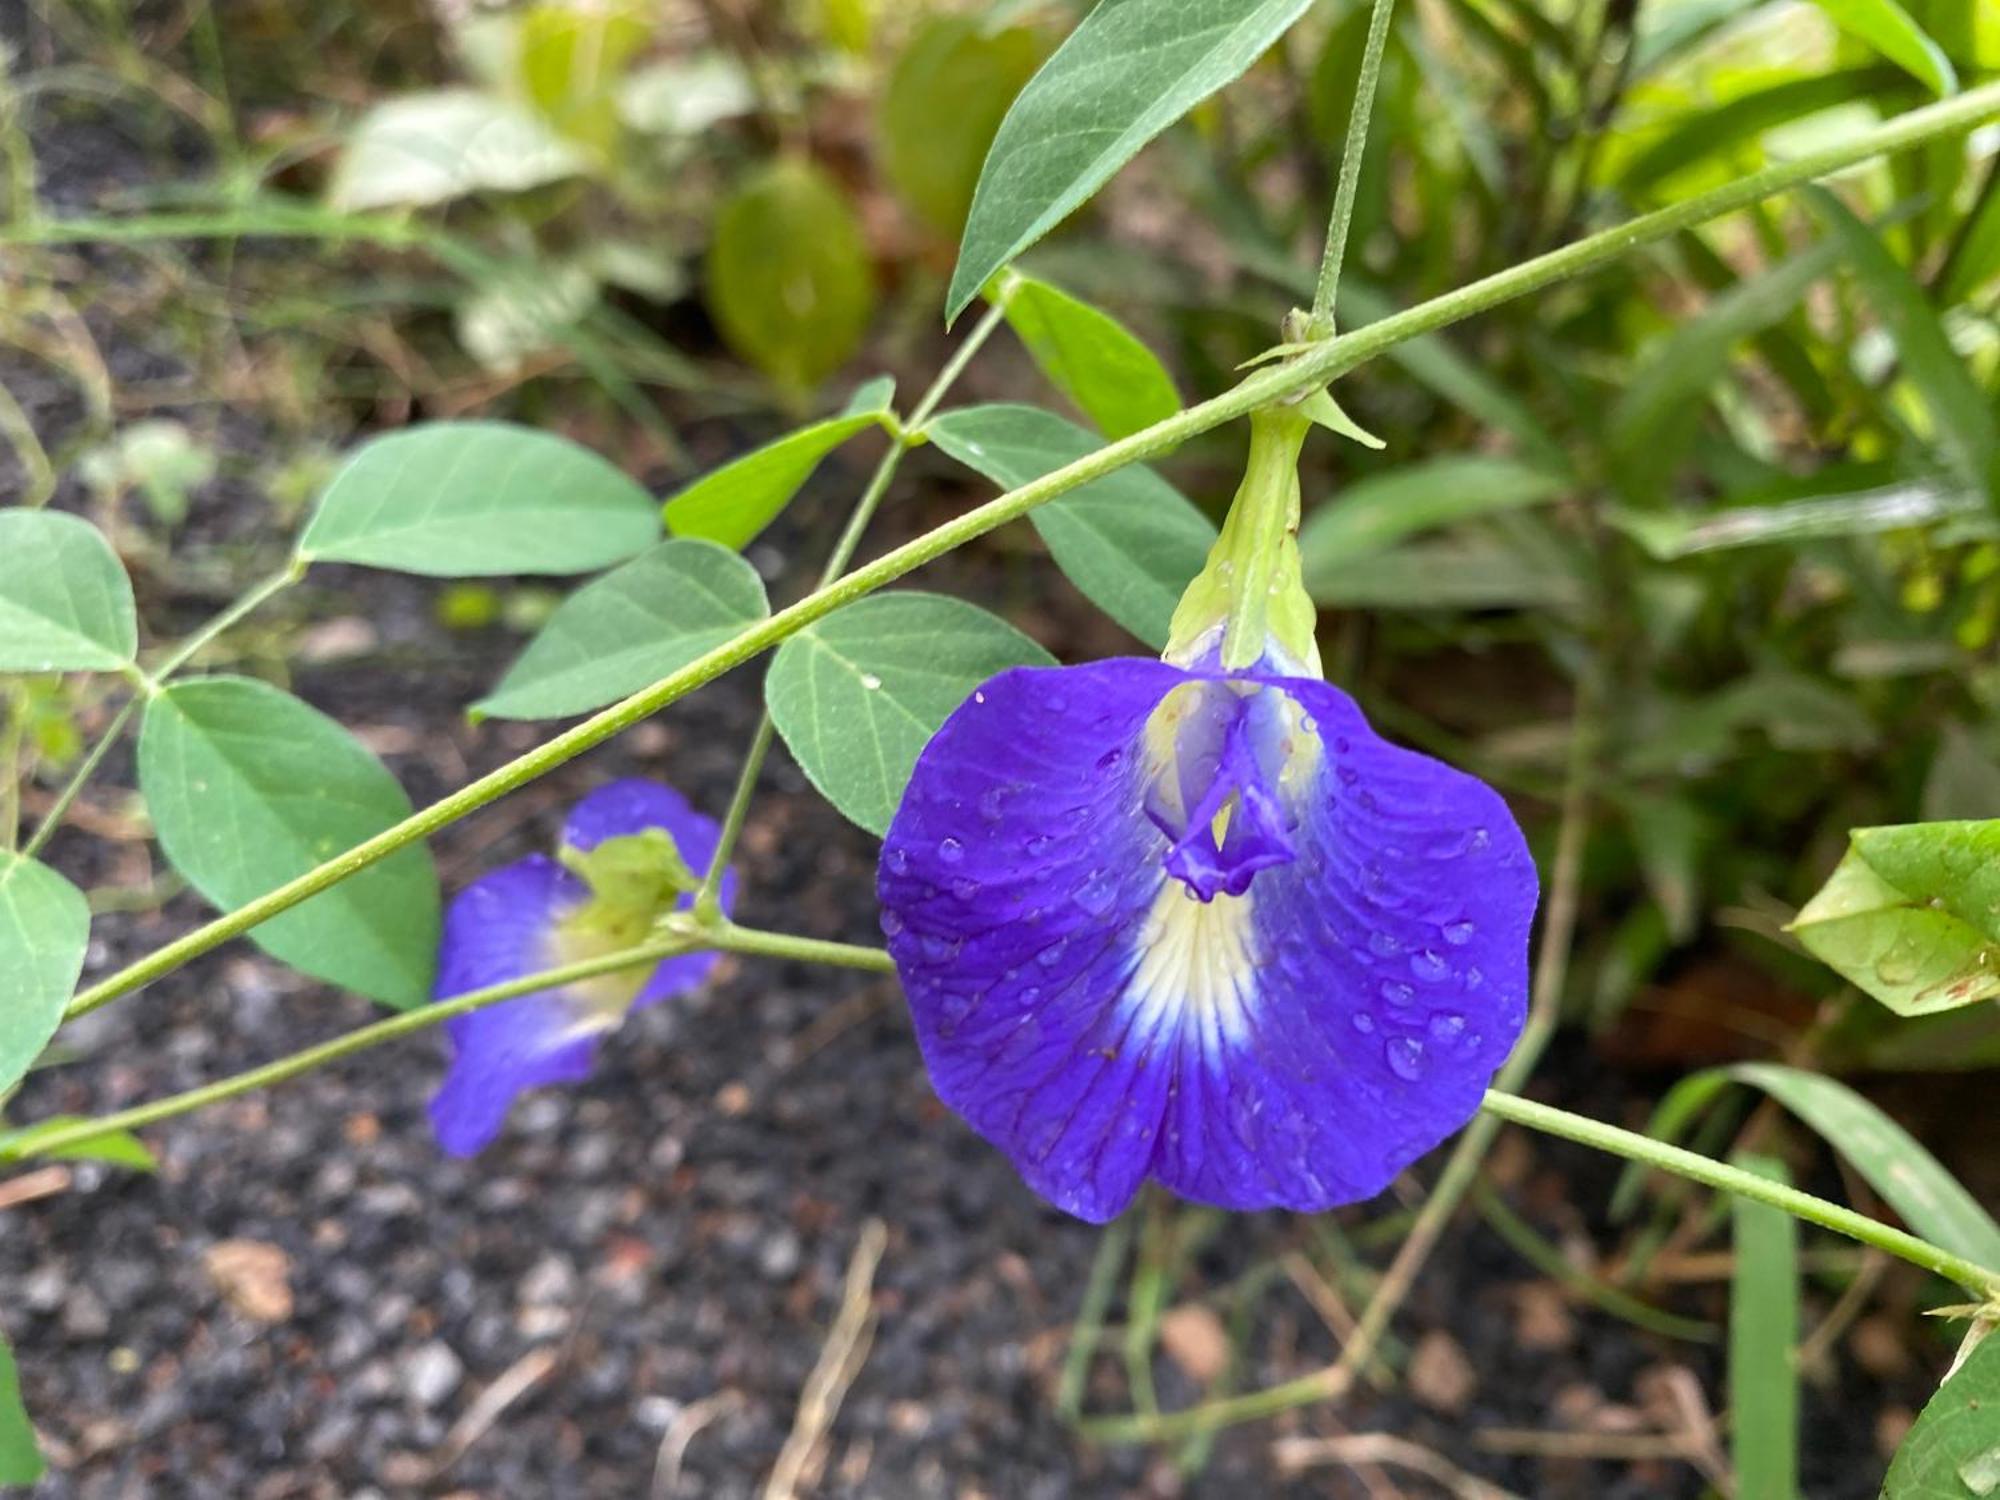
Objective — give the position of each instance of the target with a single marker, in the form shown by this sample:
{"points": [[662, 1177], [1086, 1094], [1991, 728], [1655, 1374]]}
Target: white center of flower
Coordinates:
{"points": [[1196, 968]]}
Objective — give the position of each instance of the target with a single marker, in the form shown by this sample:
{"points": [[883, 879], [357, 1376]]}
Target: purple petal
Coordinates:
{"points": [[1296, 1045], [499, 928]]}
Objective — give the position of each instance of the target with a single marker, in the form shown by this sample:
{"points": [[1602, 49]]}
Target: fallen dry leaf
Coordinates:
{"points": [[253, 1277]]}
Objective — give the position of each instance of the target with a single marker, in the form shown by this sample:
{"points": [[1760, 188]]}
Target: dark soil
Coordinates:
{"points": [[659, 1254]]}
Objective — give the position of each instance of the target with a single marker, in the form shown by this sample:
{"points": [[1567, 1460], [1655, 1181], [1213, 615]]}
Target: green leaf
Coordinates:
{"points": [[684, 96], [1911, 1180], [1953, 1452], [1670, 535], [433, 147], [789, 280], [1912, 915], [1763, 1331], [249, 788], [571, 57], [1090, 357], [737, 501], [942, 103], [20, 1454], [1374, 513], [117, 1148], [1975, 254], [475, 499], [858, 694], [1964, 781], [633, 626], [1887, 28], [1967, 430], [1474, 572], [1128, 72], [1706, 137], [65, 602], [1130, 541], [44, 930]]}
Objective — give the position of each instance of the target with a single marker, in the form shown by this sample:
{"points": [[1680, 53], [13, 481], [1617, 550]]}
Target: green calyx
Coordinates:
{"points": [[1250, 592], [634, 881]]}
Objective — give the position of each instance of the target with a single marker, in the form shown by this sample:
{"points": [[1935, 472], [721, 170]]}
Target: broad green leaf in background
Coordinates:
{"points": [[1964, 780], [1130, 541], [474, 499], [941, 104], [1887, 28], [433, 147], [1130, 70], [1669, 535], [858, 694], [1763, 1331], [1911, 1180], [1912, 915], [65, 602], [1471, 572], [1968, 431], [1953, 1452], [249, 788], [737, 501], [683, 96], [1376, 512], [1704, 137], [789, 280], [44, 930], [516, 314], [631, 627], [1090, 357], [20, 1455], [571, 58], [1975, 254]]}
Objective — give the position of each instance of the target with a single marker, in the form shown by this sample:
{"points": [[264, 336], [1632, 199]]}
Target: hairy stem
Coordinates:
{"points": [[1360, 116], [1314, 365]]}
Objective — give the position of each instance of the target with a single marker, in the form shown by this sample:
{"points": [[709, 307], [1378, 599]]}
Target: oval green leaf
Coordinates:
{"points": [[65, 602], [633, 626], [737, 501], [1128, 72], [476, 499], [44, 930], [1912, 915], [858, 694], [1130, 541], [1953, 1452], [789, 280], [433, 147], [945, 96], [1763, 1332], [249, 788], [1090, 357]]}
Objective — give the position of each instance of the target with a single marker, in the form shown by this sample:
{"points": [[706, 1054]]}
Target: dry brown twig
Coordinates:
{"points": [[840, 1360]]}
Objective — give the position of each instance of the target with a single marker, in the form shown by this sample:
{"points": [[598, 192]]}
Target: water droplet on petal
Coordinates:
{"points": [[1429, 966], [1447, 1026], [1405, 1055], [1108, 761], [1396, 992], [990, 801], [965, 889], [1362, 1022], [1383, 944], [1052, 955], [1097, 894], [951, 851], [899, 860], [892, 922], [1039, 844], [1458, 933]]}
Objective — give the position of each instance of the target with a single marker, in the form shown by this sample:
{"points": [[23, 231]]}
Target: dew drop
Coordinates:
{"points": [[899, 860], [1447, 1026], [951, 851], [1052, 955], [871, 682], [1055, 703], [978, 697], [1347, 774], [892, 922], [1097, 894], [1405, 1055], [1039, 844], [1474, 979], [1362, 1022], [1383, 944], [1429, 966], [939, 950], [1396, 992], [1108, 761], [990, 804], [1481, 838], [965, 889], [1458, 933]]}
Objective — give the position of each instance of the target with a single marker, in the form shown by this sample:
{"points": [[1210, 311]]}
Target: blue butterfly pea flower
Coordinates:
{"points": [[539, 913], [1200, 924]]}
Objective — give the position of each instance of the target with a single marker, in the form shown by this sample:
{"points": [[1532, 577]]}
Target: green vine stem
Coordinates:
{"points": [[707, 899], [678, 936], [1315, 365], [1361, 115]]}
